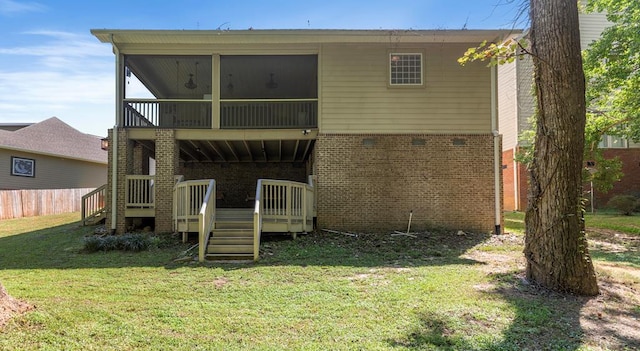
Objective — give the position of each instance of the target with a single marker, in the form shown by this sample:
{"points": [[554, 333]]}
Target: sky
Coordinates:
{"points": [[51, 65]]}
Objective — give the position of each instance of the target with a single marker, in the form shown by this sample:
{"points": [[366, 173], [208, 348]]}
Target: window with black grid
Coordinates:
{"points": [[405, 69]]}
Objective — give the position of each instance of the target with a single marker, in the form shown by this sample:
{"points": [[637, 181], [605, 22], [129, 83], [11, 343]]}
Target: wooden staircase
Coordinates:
{"points": [[232, 239]]}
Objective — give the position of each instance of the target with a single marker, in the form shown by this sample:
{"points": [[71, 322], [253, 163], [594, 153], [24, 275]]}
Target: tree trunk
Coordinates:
{"points": [[555, 245]]}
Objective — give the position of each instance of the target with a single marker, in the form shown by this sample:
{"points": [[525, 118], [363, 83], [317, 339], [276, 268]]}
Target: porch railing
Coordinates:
{"points": [[188, 197], [206, 219], [167, 113], [234, 113], [257, 221], [140, 191], [268, 113], [286, 204], [93, 207]]}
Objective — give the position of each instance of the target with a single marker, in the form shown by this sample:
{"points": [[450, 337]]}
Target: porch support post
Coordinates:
{"points": [[167, 153], [215, 92], [122, 161], [138, 159]]}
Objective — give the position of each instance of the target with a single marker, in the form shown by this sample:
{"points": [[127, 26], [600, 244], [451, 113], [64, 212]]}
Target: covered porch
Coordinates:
{"points": [[163, 178]]}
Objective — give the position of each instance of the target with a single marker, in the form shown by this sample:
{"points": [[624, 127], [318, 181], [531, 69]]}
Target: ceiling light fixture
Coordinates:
{"points": [[191, 84], [271, 84]]}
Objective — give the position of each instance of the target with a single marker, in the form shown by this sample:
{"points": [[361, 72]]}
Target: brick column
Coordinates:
{"points": [[138, 159], [107, 198], [167, 153]]}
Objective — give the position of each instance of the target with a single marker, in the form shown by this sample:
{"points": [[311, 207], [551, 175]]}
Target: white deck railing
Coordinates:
{"points": [[188, 197], [268, 113], [286, 206], [167, 113], [206, 219], [193, 203], [93, 204], [140, 191], [257, 221]]}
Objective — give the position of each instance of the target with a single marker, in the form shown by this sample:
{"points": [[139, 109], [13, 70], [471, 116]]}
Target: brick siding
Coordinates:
{"points": [[236, 181], [447, 182]]}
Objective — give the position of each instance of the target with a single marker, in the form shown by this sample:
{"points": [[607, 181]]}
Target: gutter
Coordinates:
{"points": [[497, 167], [114, 137]]}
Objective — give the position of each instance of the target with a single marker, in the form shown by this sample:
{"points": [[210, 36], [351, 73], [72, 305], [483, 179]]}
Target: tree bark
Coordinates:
{"points": [[555, 245]]}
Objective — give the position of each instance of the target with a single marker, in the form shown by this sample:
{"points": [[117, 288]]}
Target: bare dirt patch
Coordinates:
{"points": [[609, 321], [10, 307]]}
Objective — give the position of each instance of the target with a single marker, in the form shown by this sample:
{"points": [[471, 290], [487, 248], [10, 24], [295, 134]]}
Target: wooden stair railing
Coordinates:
{"points": [[93, 206]]}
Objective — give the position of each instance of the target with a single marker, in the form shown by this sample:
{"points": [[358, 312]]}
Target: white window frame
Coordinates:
{"points": [[613, 142], [397, 56]]}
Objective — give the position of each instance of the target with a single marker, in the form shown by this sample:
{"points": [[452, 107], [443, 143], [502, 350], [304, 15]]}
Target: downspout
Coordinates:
{"points": [[114, 137], [516, 165], [497, 166]]}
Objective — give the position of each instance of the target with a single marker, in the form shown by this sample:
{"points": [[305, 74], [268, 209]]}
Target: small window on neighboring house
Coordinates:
{"points": [[612, 142], [405, 69]]}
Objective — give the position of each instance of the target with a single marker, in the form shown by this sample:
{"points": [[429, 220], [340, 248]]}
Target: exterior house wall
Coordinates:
{"points": [[237, 181], [447, 182], [507, 105], [52, 172], [591, 26], [526, 98], [432, 151], [630, 182], [356, 98]]}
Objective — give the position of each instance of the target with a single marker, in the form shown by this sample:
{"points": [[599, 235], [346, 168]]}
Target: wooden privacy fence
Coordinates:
{"points": [[40, 202]]}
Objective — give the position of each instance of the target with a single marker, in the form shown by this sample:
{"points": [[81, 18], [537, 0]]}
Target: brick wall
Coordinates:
{"points": [[124, 165], [167, 154], [238, 180], [368, 183], [512, 178], [630, 182]]}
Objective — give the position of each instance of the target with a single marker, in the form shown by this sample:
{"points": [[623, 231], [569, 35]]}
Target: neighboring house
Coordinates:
{"points": [[386, 123], [516, 105], [50, 155]]}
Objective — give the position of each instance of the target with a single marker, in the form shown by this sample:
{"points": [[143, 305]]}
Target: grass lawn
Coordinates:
{"points": [[440, 291]]}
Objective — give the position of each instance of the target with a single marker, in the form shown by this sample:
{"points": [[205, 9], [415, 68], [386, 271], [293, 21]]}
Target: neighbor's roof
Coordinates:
{"points": [[54, 138], [298, 36]]}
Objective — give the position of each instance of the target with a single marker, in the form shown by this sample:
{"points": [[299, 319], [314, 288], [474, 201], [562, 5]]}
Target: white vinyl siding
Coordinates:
{"points": [[526, 98], [52, 172], [356, 97], [507, 105], [591, 26]]}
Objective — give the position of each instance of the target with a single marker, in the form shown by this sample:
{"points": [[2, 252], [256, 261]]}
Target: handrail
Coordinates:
{"points": [[283, 202], [257, 221], [167, 113], [206, 219], [140, 191], [93, 203]]}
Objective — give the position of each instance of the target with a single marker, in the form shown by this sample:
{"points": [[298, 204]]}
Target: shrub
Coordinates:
{"points": [[92, 243], [625, 204], [126, 242]]}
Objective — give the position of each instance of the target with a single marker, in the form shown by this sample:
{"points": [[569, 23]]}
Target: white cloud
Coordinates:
{"points": [[62, 74], [9, 7]]}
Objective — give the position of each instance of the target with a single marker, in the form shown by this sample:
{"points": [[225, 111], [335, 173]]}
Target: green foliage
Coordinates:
{"points": [[126, 242], [625, 204], [496, 54], [612, 70]]}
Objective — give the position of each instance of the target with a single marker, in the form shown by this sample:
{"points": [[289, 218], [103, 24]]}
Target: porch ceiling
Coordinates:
{"points": [[233, 151]]}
